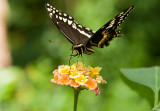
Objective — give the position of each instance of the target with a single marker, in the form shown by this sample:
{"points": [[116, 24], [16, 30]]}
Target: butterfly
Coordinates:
{"points": [[83, 38]]}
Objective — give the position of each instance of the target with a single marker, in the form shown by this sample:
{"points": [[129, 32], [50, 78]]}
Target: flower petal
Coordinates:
{"points": [[73, 74], [96, 70], [63, 80], [55, 71], [80, 80], [91, 84], [97, 91], [73, 84], [56, 77], [64, 69]]}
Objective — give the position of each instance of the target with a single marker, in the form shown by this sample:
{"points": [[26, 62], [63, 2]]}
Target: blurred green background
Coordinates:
{"points": [[26, 86]]}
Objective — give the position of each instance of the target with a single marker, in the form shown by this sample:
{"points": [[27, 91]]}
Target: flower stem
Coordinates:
{"points": [[76, 94]]}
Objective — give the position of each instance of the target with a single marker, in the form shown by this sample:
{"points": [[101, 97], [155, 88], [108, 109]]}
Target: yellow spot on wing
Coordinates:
{"points": [[104, 37]]}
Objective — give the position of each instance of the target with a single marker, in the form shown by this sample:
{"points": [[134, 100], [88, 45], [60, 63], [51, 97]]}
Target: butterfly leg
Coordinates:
{"points": [[74, 55], [69, 59], [71, 56], [78, 55]]}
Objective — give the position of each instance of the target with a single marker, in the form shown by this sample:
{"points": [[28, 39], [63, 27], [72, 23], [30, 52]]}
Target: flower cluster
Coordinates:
{"points": [[78, 76]]}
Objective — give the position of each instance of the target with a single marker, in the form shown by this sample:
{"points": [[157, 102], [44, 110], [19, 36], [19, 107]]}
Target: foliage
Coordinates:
{"points": [[149, 77]]}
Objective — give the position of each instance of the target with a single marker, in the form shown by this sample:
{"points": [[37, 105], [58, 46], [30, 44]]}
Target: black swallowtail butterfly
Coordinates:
{"points": [[84, 38]]}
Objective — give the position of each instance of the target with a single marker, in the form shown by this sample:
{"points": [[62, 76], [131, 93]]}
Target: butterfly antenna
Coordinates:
{"points": [[59, 42]]}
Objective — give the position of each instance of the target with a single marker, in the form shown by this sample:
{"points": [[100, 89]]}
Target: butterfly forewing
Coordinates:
{"points": [[107, 32], [74, 32]]}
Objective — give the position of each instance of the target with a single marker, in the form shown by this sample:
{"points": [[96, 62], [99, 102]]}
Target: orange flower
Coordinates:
{"points": [[91, 83], [78, 76], [63, 80], [73, 84], [55, 80]]}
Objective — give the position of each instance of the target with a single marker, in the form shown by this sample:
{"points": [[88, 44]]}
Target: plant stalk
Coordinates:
{"points": [[76, 94]]}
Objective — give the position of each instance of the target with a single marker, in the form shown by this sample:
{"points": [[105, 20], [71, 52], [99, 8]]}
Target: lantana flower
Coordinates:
{"points": [[78, 76]]}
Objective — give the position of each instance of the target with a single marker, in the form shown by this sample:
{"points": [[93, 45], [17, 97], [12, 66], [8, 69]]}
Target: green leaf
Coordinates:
{"points": [[149, 77]]}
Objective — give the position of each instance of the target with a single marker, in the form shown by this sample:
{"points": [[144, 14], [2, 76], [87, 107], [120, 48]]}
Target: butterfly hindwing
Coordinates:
{"points": [[74, 32], [107, 32]]}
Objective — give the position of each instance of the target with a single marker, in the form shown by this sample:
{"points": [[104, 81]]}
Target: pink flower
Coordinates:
{"points": [[97, 91], [56, 71]]}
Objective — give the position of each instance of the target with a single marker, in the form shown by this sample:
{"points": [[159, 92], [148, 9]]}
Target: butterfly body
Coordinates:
{"points": [[82, 49], [84, 38]]}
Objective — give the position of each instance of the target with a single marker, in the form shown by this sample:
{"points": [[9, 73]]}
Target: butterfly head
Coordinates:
{"points": [[79, 48]]}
